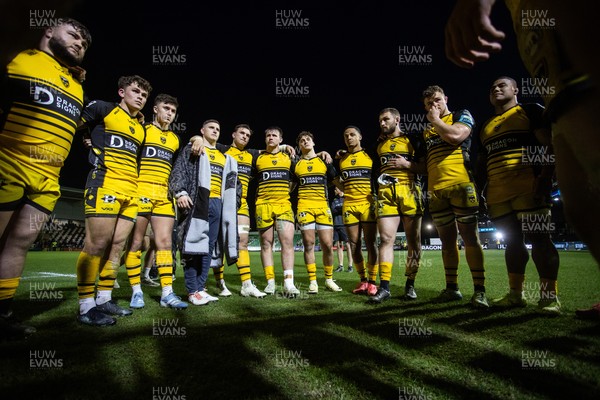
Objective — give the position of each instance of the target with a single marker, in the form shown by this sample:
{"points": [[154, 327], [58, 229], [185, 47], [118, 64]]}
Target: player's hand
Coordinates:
{"points": [[433, 113], [290, 150], [185, 202], [140, 117], [340, 153], [470, 35], [325, 156], [197, 142], [87, 142]]}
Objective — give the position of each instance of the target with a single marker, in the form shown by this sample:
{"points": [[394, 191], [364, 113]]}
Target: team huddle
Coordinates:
{"points": [[143, 176]]}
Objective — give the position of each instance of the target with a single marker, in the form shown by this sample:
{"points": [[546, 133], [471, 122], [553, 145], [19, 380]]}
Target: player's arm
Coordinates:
{"points": [[325, 156], [453, 134], [197, 142]]}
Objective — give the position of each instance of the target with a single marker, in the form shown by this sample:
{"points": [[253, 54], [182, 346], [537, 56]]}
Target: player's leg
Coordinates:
{"points": [[370, 236], [18, 235], [387, 235], [162, 226], [266, 238], [308, 241], [285, 233], [412, 227], [110, 269], [325, 233], [354, 245], [98, 236], [133, 260], [243, 263], [515, 256]]}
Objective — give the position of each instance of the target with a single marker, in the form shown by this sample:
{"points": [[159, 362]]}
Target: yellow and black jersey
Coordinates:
{"points": [[41, 105], [156, 162], [244, 160], [355, 171], [446, 163], [398, 146], [116, 141], [273, 175], [313, 176], [506, 139], [217, 165]]}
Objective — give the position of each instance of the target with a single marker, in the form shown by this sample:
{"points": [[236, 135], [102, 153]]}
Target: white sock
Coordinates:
{"points": [[86, 305], [166, 290], [137, 288], [288, 280], [103, 296]]}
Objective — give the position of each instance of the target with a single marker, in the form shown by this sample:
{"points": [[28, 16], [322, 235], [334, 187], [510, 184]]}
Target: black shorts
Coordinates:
{"points": [[339, 233]]}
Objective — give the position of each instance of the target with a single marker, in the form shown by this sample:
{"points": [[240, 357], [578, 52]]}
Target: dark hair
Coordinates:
{"points": [[356, 127], [508, 78], [431, 90], [302, 134], [166, 98], [239, 126], [125, 81], [275, 128], [79, 27]]}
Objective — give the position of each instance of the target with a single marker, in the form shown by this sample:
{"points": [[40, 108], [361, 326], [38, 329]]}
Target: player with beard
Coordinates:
{"points": [[40, 106]]}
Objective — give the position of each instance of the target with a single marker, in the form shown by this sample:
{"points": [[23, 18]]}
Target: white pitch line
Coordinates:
{"points": [[49, 275]]}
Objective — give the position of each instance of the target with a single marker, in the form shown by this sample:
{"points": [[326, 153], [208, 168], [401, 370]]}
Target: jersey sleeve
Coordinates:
{"points": [[95, 112], [464, 117]]}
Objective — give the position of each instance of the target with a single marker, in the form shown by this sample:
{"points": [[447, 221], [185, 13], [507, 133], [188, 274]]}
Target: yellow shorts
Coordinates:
{"points": [[454, 202], [22, 183], [102, 202], [399, 199], [156, 207], [244, 209], [359, 212], [521, 206], [314, 218], [267, 214]]}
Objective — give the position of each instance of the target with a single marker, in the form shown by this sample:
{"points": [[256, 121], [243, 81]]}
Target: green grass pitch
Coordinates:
{"points": [[326, 346]]}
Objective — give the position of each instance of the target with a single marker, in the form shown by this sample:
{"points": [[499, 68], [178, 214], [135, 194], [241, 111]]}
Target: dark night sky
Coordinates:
{"points": [[347, 57]]}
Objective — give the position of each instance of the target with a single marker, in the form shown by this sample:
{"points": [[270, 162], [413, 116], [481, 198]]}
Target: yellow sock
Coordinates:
{"points": [[311, 269], [385, 271], [474, 255], [133, 264], [373, 270], [328, 271], [362, 271], [218, 272], [269, 272], [243, 265], [164, 264], [87, 271], [108, 274], [8, 287]]}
